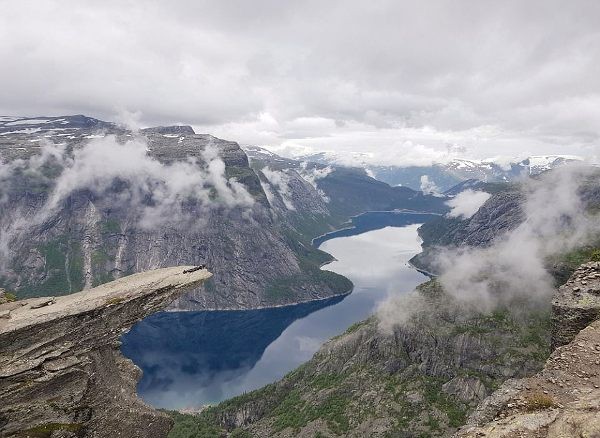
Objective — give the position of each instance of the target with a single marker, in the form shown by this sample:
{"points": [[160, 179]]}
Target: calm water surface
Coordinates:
{"points": [[191, 359]]}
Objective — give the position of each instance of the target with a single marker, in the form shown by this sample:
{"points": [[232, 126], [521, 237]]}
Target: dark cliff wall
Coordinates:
{"points": [[259, 257]]}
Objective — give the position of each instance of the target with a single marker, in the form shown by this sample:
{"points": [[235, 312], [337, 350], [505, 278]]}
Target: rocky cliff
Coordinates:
{"points": [[563, 400], [61, 371], [576, 304], [147, 216], [427, 376]]}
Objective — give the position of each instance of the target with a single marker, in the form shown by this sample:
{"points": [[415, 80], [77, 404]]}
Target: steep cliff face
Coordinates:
{"points": [[174, 197], [61, 371], [90, 237], [576, 304], [563, 400]]}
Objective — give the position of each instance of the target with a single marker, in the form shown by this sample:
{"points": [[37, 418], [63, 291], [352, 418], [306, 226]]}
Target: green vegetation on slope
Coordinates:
{"points": [[409, 380], [312, 277], [61, 273], [53, 429]]}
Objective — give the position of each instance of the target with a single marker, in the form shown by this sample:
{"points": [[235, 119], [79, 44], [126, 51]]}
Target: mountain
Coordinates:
{"points": [[501, 213], [442, 176], [442, 367], [86, 201], [347, 191]]}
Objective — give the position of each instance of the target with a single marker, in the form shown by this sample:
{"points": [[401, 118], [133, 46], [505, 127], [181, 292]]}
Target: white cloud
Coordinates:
{"points": [[154, 193], [343, 75], [280, 180], [312, 174], [514, 266], [466, 203], [428, 186]]}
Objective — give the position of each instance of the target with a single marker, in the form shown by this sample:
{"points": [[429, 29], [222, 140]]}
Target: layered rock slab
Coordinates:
{"points": [[60, 363]]}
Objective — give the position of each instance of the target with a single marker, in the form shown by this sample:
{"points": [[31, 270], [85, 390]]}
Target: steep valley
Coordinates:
{"points": [[445, 364], [493, 364], [140, 213]]}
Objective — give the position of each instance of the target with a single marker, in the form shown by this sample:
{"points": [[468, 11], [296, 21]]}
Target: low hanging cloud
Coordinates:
{"points": [[124, 174], [514, 266], [466, 203], [103, 161], [280, 180], [428, 186], [312, 174]]}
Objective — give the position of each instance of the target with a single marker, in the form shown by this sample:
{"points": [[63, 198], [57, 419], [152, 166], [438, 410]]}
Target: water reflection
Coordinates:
{"points": [[195, 358], [192, 358], [375, 220]]}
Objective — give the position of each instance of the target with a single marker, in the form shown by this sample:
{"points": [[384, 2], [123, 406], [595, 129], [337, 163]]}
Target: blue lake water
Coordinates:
{"points": [[190, 359]]}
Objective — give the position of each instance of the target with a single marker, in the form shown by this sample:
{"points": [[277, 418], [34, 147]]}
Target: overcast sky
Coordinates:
{"points": [[406, 80]]}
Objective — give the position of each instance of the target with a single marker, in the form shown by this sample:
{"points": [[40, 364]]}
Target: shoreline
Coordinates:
{"points": [[422, 271], [274, 306], [353, 227], [333, 259]]}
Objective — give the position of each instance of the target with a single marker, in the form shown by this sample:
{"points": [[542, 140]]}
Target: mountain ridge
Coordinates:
{"points": [[441, 176]]}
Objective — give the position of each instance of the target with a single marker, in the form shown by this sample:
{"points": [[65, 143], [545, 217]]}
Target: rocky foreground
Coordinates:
{"points": [[61, 369], [563, 400]]}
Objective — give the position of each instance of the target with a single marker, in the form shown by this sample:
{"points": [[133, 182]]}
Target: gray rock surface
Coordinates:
{"points": [[576, 304], [61, 367]]}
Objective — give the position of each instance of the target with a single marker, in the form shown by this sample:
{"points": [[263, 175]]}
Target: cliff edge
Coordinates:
{"points": [[563, 400], [61, 369]]}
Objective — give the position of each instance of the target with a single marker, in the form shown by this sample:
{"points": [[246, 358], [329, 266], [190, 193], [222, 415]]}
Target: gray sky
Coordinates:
{"points": [[403, 80]]}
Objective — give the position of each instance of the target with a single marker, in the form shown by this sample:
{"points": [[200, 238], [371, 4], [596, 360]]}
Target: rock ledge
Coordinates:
{"points": [[61, 367]]}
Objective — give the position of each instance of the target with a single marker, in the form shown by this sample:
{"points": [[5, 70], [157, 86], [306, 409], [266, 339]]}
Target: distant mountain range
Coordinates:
{"points": [[443, 176]]}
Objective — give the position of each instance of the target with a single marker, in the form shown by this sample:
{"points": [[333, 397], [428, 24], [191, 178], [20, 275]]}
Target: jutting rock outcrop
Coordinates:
{"points": [[61, 370]]}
